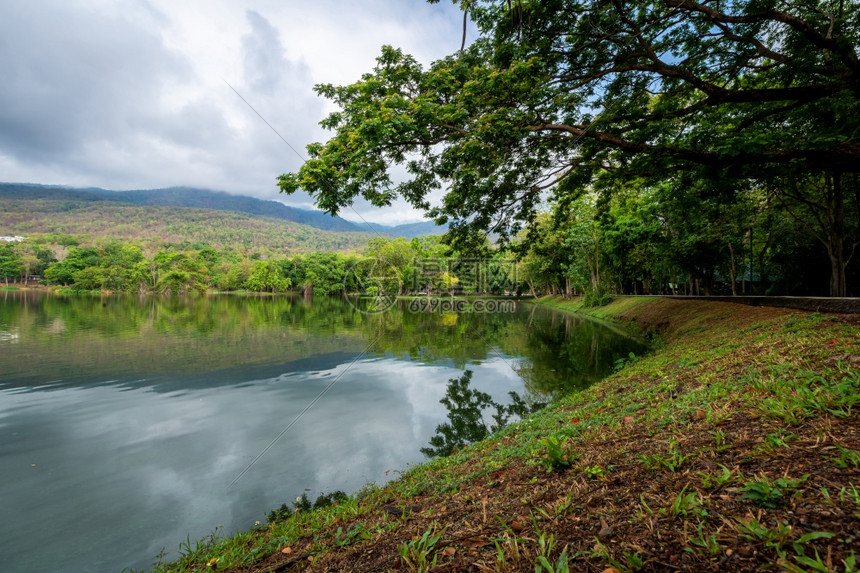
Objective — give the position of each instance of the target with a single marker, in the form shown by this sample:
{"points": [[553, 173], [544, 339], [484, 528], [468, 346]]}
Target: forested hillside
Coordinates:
{"points": [[207, 199], [180, 225]]}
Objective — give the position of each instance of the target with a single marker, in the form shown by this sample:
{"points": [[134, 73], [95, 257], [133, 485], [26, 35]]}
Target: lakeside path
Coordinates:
{"points": [[734, 444]]}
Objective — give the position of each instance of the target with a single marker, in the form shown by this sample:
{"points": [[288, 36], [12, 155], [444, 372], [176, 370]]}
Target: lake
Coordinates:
{"points": [[128, 425]]}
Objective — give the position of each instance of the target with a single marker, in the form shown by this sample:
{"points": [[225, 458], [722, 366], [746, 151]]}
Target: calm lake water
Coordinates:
{"points": [[124, 420]]}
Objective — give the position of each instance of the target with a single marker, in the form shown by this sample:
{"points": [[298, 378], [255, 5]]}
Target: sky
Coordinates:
{"points": [[133, 94]]}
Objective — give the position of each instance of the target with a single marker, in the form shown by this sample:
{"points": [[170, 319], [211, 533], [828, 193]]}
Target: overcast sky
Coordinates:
{"points": [[131, 94]]}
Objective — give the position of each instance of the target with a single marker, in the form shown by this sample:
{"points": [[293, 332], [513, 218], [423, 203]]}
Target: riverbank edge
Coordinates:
{"points": [[653, 468]]}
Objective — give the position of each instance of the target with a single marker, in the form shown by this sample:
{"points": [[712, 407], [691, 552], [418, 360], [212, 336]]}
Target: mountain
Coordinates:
{"points": [[216, 200], [89, 217], [407, 230], [183, 197]]}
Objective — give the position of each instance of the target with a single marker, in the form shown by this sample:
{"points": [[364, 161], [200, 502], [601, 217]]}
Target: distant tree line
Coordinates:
{"points": [[647, 241], [383, 268]]}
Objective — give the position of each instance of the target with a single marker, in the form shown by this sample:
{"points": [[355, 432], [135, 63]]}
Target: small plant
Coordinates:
{"points": [[622, 363], [778, 439], [852, 496], [559, 509], [766, 493], [562, 507], [804, 539], [645, 510], [595, 471], [816, 563], [847, 458], [672, 461], [850, 563], [556, 456], [720, 440], [356, 532], [632, 561], [708, 542], [507, 547], [717, 479], [419, 555], [546, 546], [688, 504], [757, 532]]}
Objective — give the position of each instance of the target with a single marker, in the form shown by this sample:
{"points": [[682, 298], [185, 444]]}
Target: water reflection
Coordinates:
{"points": [[124, 420], [467, 411]]}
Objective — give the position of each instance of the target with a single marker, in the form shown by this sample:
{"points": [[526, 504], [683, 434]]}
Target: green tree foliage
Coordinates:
{"points": [[324, 273], [396, 257], [179, 273], [78, 258], [233, 277], [267, 276], [10, 262], [564, 97]]}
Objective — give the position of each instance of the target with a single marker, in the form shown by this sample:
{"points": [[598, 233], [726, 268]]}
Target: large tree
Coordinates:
{"points": [[556, 95]]}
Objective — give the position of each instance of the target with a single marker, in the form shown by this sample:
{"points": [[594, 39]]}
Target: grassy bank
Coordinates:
{"points": [[735, 445]]}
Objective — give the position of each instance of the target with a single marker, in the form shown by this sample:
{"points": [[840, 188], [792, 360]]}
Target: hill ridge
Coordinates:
{"points": [[183, 196]]}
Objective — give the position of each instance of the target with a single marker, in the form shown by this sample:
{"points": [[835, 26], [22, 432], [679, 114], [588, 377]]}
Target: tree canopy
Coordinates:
{"points": [[556, 98]]}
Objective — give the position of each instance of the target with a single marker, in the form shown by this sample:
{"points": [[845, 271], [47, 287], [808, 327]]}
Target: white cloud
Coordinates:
{"points": [[132, 94]]}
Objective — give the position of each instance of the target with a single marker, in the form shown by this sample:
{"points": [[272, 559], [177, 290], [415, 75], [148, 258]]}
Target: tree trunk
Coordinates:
{"points": [[733, 270], [838, 282], [836, 236]]}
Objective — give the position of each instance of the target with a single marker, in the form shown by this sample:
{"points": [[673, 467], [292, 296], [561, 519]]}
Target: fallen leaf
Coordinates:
{"points": [[287, 550], [449, 551], [606, 531]]}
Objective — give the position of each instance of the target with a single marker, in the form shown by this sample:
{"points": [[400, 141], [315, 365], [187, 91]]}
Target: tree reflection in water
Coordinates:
{"points": [[466, 424]]}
